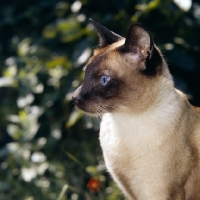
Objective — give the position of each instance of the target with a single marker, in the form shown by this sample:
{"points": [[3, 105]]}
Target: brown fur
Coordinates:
{"points": [[150, 134], [197, 110]]}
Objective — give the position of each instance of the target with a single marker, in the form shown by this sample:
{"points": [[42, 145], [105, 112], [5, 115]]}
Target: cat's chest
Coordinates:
{"points": [[130, 141], [130, 151], [120, 134]]}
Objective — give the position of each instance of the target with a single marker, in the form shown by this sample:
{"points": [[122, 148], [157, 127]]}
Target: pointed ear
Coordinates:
{"points": [[105, 35], [140, 44], [138, 38]]}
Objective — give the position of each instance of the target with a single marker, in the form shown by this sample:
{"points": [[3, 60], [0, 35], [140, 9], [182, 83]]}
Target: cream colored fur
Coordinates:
{"points": [[142, 147]]}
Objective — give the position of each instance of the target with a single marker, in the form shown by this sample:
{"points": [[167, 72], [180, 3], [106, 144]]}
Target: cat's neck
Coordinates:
{"points": [[144, 126]]}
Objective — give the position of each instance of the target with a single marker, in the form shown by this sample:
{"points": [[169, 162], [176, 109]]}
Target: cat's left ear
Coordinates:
{"points": [[140, 44], [138, 38], [105, 35]]}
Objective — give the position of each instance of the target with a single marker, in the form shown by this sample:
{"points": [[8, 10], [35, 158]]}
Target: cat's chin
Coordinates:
{"points": [[93, 113]]}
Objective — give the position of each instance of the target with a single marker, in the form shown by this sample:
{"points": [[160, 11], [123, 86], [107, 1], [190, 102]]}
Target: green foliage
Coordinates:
{"points": [[48, 149]]}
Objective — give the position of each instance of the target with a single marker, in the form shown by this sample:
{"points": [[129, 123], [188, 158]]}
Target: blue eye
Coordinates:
{"points": [[104, 80]]}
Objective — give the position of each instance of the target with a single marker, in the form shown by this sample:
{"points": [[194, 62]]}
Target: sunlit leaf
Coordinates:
{"points": [[58, 61], [73, 118], [61, 8], [23, 47], [153, 4], [184, 5], [62, 193], [69, 30], [7, 81], [22, 115], [92, 170], [14, 131], [50, 32]]}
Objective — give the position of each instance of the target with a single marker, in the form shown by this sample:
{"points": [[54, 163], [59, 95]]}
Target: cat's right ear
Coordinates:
{"points": [[106, 36]]}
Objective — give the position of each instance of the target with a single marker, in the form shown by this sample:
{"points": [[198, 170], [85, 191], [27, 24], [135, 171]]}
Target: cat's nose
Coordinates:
{"points": [[76, 99], [76, 96]]}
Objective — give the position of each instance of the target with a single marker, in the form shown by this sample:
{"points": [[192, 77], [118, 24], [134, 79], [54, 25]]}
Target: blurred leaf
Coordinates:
{"points": [[92, 170], [153, 4], [62, 193], [58, 61], [14, 131], [23, 47], [7, 81], [61, 8], [4, 186], [72, 157], [73, 118], [50, 31], [22, 115], [69, 30]]}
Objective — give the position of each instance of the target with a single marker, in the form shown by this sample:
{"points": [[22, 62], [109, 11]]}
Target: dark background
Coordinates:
{"points": [[48, 150]]}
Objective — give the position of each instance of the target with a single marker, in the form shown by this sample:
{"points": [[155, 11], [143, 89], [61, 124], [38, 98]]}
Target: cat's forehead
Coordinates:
{"points": [[109, 48], [104, 58]]}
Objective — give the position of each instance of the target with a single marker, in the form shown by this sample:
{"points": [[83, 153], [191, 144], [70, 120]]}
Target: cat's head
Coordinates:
{"points": [[121, 74]]}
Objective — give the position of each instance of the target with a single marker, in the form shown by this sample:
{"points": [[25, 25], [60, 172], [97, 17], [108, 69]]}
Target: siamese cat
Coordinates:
{"points": [[149, 133]]}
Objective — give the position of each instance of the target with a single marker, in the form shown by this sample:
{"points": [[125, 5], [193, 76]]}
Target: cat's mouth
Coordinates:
{"points": [[91, 106]]}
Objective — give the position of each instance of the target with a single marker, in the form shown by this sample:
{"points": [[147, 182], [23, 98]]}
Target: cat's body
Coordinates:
{"points": [[145, 165], [149, 133]]}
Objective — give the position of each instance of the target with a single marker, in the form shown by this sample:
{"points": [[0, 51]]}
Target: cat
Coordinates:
{"points": [[149, 133]]}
